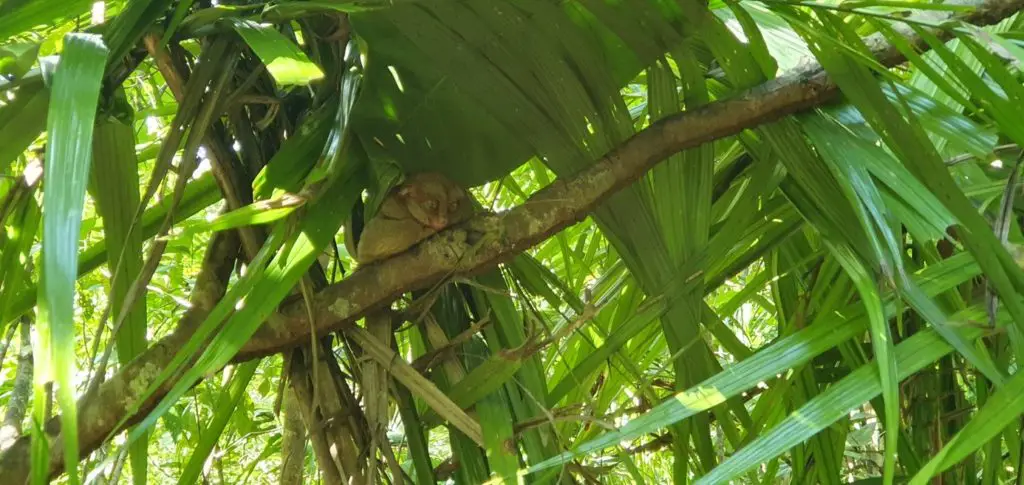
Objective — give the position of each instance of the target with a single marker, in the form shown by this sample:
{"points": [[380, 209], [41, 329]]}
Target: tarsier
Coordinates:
{"points": [[423, 205]]}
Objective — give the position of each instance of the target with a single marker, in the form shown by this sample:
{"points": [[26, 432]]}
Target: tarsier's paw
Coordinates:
{"points": [[485, 230], [486, 225], [454, 244], [456, 236]]}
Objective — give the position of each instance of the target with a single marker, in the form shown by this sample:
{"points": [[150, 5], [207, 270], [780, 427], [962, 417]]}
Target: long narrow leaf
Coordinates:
{"points": [[76, 88], [912, 355]]}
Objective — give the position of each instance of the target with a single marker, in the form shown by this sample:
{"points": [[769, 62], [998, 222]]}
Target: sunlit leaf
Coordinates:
{"points": [[283, 59], [76, 88]]}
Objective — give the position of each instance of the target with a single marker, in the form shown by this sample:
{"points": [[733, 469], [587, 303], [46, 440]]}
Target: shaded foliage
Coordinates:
{"points": [[750, 242]]}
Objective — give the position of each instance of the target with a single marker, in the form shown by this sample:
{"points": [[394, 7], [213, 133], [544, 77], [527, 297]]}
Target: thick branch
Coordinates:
{"points": [[550, 210]]}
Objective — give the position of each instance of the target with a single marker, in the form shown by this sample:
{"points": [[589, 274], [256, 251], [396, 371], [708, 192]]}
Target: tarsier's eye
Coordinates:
{"points": [[431, 204], [453, 206]]}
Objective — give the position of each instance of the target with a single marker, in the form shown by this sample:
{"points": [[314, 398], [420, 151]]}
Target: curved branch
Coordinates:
{"points": [[560, 205]]}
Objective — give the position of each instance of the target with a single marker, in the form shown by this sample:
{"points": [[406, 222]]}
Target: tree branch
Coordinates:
{"points": [[560, 205]]}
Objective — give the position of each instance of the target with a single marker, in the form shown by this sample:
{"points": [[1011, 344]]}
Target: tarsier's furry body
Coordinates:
{"points": [[423, 205]]}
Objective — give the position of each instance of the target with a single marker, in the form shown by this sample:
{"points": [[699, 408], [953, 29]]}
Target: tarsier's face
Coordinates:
{"points": [[433, 201]]}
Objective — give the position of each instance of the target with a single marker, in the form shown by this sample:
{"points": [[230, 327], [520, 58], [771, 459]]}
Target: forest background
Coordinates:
{"points": [[749, 242]]}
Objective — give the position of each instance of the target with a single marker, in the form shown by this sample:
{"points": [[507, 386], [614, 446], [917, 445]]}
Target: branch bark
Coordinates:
{"points": [[560, 205]]}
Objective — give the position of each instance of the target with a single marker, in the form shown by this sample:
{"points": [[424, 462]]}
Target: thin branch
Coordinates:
{"points": [[17, 405], [970, 156]]}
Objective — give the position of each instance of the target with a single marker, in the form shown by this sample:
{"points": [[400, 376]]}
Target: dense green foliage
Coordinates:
{"points": [[735, 242]]}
